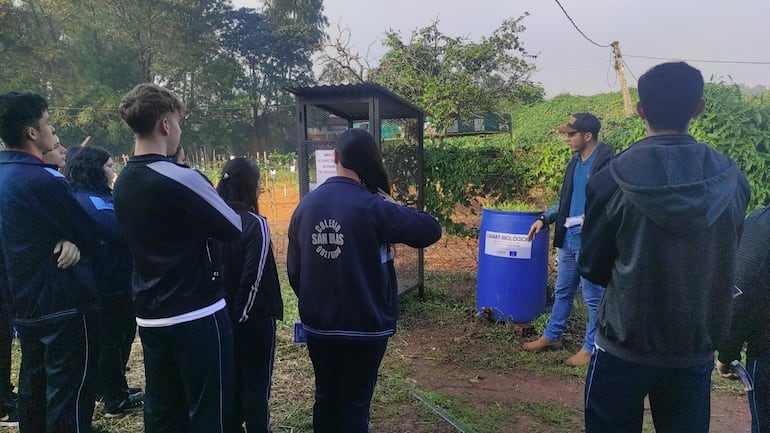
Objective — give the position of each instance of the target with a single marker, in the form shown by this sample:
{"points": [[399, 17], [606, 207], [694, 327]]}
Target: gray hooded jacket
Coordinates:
{"points": [[661, 233]]}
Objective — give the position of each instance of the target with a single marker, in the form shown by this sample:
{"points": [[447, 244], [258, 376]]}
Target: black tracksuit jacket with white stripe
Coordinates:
{"points": [[168, 213], [249, 273]]}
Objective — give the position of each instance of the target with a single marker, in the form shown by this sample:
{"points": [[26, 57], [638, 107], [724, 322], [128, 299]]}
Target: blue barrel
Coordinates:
{"points": [[512, 272]]}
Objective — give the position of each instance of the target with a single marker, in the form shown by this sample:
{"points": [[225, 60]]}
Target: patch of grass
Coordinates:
{"points": [[541, 322], [459, 411], [565, 418], [292, 392], [489, 416], [450, 301]]}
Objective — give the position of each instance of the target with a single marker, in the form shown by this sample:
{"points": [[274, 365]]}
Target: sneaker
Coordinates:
{"points": [[9, 420], [128, 405], [135, 391]]}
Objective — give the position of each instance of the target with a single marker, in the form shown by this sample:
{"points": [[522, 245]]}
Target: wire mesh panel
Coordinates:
{"points": [[322, 130], [403, 164], [402, 172], [325, 112]]}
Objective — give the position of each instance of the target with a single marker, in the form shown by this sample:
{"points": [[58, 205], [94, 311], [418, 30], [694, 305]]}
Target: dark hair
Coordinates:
{"points": [[71, 152], [239, 182], [358, 152], [145, 104], [17, 112], [85, 169], [669, 94]]}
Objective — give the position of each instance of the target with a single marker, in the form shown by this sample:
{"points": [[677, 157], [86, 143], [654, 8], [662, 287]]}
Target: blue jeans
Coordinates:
{"points": [[567, 279], [615, 391], [759, 399]]}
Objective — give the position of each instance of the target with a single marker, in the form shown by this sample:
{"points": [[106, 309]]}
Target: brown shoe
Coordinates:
{"points": [[582, 357], [541, 345]]}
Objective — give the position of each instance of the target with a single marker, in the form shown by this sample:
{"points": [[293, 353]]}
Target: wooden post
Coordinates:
{"points": [[622, 74]]}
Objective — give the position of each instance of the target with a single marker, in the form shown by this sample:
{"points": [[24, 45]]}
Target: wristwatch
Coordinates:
{"points": [[542, 218]]}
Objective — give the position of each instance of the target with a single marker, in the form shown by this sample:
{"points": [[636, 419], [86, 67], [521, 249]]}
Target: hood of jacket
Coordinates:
{"points": [[690, 180]]}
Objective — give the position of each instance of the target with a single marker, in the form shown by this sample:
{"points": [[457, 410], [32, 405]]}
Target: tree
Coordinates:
{"points": [[757, 90], [83, 55], [343, 66], [274, 47], [452, 77], [49, 49]]}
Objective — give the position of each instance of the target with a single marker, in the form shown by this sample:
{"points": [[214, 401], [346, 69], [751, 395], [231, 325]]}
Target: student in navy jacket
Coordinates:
{"points": [[168, 214], [56, 156], [48, 296], [253, 294], [341, 268], [91, 173]]}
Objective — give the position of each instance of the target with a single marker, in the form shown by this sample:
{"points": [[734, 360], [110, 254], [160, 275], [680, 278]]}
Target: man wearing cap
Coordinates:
{"points": [[589, 157]]}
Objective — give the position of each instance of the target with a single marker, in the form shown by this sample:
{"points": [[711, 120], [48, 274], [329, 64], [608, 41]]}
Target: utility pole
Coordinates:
{"points": [[622, 74]]}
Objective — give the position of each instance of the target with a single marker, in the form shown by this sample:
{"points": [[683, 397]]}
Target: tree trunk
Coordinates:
{"points": [[262, 141]]}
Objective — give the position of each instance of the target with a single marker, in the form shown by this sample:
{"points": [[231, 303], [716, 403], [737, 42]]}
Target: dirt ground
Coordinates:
{"points": [[729, 411], [483, 386]]}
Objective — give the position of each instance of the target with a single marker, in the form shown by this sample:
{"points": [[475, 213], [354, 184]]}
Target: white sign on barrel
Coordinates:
{"points": [[508, 245]]}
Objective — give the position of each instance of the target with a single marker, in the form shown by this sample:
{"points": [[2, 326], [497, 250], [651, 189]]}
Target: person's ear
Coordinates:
{"points": [[30, 133], [640, 110], [699, 107], [588, 136], [164, 126], [336, 156]]}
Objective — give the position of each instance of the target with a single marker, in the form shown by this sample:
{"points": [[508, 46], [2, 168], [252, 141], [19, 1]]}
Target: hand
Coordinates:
{"points": [[385, 195], [534, 229], [726, 371], [69, 254]]}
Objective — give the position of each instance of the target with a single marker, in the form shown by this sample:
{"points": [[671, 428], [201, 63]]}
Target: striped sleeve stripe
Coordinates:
{"points": [[350, 333], [265, 229], [195, 182]]}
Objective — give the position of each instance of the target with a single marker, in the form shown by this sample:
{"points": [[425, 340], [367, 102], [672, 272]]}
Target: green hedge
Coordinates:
{"points": [[527, 165]]}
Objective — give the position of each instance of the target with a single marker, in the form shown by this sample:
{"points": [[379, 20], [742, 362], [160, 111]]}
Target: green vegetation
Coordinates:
{"points": [[273, 169], [229, 65], [452, 77], [739, 126], [527, 166]]}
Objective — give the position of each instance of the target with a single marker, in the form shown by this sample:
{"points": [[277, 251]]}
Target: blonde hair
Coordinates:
{"points": [[145, 104]]}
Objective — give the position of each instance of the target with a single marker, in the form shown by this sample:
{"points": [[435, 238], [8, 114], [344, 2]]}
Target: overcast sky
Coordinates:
{"points": [[721, 30]]}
